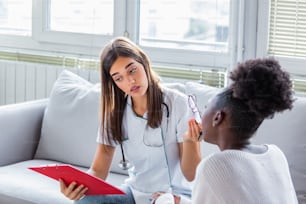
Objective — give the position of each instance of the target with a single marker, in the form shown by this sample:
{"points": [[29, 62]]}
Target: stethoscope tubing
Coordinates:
{"points": [[125, 164]]}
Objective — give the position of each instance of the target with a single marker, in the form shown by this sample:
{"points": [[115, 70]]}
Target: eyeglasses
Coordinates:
{"points": [[193, 106], [195, 110]]}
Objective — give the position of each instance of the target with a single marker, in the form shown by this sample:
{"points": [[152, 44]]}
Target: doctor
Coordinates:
{"points": [[147, 121]]}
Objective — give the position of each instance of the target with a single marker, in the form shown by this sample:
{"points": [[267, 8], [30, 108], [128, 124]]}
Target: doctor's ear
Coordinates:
{"points": [[218, 118]]}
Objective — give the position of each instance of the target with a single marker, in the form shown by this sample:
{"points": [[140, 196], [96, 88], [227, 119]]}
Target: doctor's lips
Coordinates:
{"points": [[134, 88]]}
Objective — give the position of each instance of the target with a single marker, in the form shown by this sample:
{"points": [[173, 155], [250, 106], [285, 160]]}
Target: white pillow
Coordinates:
{"points": [[175, 85], [71, 121], [203, 93], [287, 130]]}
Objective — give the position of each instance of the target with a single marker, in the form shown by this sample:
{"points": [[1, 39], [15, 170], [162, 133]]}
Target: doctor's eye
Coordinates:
{"points": [[133, 70], [118, 79]]}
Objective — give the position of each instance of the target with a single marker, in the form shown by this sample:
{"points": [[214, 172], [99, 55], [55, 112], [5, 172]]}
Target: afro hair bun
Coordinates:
{"points": [[263, 86]]}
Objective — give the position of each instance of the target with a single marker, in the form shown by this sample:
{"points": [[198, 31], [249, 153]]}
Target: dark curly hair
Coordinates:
{"points": [[260, 88]]}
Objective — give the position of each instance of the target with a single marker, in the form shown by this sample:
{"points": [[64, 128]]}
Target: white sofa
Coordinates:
{"points": [[63, 129]]}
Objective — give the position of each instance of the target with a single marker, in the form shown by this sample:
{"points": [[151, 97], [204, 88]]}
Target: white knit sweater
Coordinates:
{"points": [[234, 177]]}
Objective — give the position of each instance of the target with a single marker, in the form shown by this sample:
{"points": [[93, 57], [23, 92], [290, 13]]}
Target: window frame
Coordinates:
{"points": [[85, 45], [41, 34], [193, 58]]}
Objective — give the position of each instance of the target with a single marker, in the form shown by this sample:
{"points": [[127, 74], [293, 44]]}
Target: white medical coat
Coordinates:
{"points": [[156, 164]]}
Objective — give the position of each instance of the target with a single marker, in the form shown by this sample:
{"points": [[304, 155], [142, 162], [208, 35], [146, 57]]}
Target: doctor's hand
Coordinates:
{"points": [[73, 191], [194, 133]]}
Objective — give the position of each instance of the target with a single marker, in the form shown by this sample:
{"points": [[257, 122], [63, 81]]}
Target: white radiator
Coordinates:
{"points": [[21, 81]]}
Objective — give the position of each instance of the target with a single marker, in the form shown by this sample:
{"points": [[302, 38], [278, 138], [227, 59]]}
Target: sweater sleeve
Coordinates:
{"points": [[203, 192]]}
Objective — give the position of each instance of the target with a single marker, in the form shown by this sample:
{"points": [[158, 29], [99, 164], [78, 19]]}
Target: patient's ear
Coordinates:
{"points": [[218, 118]]}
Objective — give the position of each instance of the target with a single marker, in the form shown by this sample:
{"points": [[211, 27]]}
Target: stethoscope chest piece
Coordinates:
{"points": [[125, 164]]}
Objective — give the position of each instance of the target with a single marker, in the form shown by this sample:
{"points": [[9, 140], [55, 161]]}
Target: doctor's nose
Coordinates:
{"points": [[132, 80]]}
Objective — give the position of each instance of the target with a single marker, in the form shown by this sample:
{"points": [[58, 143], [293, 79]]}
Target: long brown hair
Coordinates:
{"points": [[113, 100]]}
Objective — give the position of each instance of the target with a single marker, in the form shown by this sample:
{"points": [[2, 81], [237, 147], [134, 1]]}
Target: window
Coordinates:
{"points": [[15, 17], [196, 36], [286, 39], [91, 17], [73, 23], [194, 39], [287, 28], [196, 24]]}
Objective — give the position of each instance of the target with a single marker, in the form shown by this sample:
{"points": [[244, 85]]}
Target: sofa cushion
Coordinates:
{"points": [[20, 185], [175, 85], [71, 120], [203, 93], [287, 130]]}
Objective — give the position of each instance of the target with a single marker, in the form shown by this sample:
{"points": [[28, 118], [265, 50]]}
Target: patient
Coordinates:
{"points": [[242, 172]]}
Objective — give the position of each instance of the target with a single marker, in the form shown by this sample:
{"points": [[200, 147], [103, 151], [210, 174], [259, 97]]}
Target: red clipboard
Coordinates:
{"points": [[68, 173]]}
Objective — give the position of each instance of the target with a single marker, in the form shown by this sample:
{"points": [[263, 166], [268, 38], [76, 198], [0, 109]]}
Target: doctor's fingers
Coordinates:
{"points": [[63, 186], [77, 193], [73, 191]]}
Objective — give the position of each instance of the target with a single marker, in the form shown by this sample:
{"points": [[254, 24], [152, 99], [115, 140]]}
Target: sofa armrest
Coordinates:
{"points": [[20, 126]]}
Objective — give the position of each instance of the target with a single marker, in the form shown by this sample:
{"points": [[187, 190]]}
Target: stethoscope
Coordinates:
{"points": [[124, 163]]}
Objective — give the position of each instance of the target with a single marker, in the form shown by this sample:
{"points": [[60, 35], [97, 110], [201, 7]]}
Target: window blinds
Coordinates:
{"points": [[287, 35]]}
